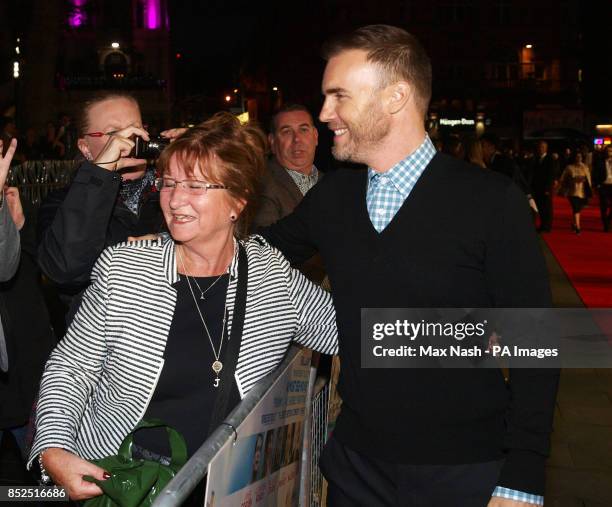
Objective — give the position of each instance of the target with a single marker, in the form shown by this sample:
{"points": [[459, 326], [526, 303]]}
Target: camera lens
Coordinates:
{"points": [[150, 149]]}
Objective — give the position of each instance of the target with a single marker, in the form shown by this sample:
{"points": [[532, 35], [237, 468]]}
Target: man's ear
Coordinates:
{"points": [[397, 96], [84, 149], [271, 142]]}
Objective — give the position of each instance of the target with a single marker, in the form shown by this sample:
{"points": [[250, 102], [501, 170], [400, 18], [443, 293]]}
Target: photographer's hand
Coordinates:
{"points": [[115, 154], [172, 134]]}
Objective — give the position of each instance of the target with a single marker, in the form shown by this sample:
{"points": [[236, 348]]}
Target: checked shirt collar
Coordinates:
{"points": [[387, 191]]}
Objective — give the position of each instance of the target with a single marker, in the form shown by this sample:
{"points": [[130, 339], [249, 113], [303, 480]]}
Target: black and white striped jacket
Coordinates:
{"points": [[100, 379]]}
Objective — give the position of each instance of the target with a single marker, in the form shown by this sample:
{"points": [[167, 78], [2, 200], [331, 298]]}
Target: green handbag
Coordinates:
{"points": [[136, 482]]}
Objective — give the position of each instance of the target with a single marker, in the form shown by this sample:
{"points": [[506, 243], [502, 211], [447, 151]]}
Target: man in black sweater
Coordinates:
{"points": [[419, 229]]}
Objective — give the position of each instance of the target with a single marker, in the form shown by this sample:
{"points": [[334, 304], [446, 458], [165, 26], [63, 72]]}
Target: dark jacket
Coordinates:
{"points": [[505, 165], [279, 197], [28, 334], [544, 172], [79, 221], [599, 170]]}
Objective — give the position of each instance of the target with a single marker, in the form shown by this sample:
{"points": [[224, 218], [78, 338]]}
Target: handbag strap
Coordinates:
{"points": [[178, 447], [233, 347]]}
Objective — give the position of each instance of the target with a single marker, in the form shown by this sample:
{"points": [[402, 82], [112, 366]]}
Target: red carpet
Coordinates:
{"points": [[586, 259]]}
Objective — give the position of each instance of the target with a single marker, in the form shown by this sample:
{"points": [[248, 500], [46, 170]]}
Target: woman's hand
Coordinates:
{"points": [[172, 134], [5, 161], [115, 154], [11, 194], [67, 470]]}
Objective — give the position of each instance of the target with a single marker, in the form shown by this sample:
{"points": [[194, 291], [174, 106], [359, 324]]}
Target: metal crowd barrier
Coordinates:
{"points": [[318, 437], [36, 178], [196, 467]]}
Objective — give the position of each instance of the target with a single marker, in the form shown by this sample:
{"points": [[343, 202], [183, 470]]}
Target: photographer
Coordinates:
{"points": [[110, 198]]}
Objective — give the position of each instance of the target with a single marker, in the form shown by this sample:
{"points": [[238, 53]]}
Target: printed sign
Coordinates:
{"points": [[261, 469]]}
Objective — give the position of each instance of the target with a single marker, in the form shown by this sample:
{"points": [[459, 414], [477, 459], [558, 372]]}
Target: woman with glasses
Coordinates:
{"points": [[152, 336], [110, 198]]}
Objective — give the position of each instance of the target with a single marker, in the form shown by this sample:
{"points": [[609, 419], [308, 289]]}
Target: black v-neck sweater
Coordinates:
{"points": [[463, 238]]}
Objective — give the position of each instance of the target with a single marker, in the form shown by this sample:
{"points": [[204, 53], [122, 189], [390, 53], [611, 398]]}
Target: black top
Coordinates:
{"points": [[463, 238], [77, 222], [185, 394]]}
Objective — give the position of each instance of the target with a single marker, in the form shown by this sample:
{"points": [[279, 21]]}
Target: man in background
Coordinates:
{"points": [[291, 173], [544, 172], [602, 179]]}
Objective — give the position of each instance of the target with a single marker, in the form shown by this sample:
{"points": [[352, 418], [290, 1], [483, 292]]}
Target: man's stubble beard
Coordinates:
{"points": [[365, 135]]}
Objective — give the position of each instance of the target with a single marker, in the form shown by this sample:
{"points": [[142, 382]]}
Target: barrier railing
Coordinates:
{"points": [[318, 437], [196, 468], [36, 178]]}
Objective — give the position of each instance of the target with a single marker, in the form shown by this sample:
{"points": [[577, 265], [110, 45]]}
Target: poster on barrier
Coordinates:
{"points": [[262, 468]]}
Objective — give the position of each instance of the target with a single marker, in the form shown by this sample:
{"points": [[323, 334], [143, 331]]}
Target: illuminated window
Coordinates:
{"points": [[149, 14], [77, 13]]}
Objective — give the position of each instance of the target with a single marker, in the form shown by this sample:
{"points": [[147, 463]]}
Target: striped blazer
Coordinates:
{"points": [[100, 378]]}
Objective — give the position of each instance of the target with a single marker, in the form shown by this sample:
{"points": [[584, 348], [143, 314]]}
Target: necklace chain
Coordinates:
{"points": [[202, 292], [217, 365]]}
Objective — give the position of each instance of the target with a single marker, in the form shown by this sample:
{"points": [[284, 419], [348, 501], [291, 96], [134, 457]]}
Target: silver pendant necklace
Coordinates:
{"points": [[202, 292], [217, 365]]}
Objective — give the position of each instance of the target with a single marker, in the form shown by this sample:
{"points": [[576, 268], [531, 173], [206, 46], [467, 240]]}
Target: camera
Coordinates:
{"points": [[149, 149]]}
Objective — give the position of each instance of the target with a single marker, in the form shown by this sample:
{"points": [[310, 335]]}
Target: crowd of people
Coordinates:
{"points": [[576, 172], [185, 283], [56, 142]]}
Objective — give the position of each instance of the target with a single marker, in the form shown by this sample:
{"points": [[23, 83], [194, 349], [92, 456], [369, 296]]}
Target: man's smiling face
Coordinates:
{"points": [[353, 106]]}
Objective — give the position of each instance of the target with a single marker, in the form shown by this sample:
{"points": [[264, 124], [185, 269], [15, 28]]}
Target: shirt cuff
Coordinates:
{"points": [[518, 496]]}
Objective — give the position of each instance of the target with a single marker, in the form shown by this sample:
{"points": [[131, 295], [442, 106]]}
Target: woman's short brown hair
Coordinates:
{"points": [[229, 154], [398, 54]]}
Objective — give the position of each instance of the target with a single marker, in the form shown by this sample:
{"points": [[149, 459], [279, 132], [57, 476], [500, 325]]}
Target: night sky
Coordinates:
{"points": [[218, 40]]}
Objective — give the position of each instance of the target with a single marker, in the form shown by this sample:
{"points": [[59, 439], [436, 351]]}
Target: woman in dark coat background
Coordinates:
{"points": [[27, 331]]}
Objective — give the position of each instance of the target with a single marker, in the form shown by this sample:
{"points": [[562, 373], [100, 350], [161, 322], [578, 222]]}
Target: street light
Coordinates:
{"points": [[528, 46], [228, 98], [275, 89], [115, 45], [15, 70]]}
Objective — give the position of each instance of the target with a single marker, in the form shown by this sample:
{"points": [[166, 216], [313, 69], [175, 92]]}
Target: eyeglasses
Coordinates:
{"points": [[100, 134], [196, 187]]}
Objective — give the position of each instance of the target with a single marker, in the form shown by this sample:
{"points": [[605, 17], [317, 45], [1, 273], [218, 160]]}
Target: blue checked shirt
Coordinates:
{"points": [[385, 195], [387, 191]]}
